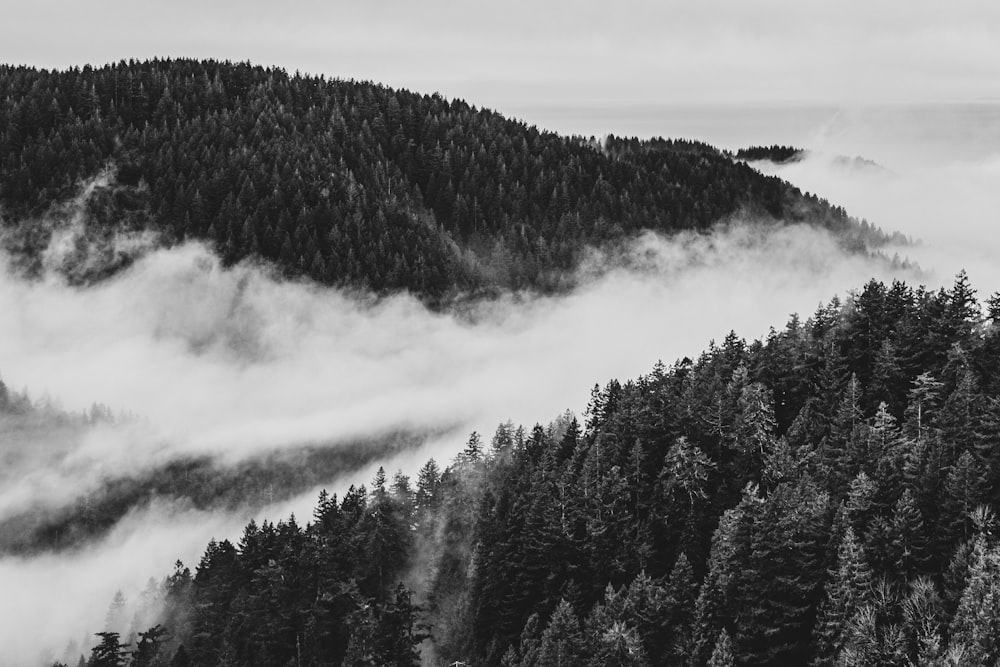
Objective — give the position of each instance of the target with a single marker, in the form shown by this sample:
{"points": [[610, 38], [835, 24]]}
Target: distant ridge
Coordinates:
{"points": [[777, 154], [349, 183], [788, 155]]}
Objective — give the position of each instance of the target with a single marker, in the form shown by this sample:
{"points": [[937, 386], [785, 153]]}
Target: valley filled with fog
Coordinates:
{"points": [[228, 365]]}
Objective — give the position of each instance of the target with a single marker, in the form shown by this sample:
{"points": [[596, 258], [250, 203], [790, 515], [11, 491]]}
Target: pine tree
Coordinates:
{"points": [[886, 451], [648, 607], [909, 541], [753, 437], [722, 654], [958, 416], [110, 652], [860, 503], [473, 451], [962, 493], [360, 650], [149, 648], [846, 592], [963, 309], [525, 653], [562, 642], [923, 616], [715, 607], [975, 628], [921, 402], [888, 385], [115, 619], [618, 646], [842, 454], [397, 634], [871, 643], [687, 468], [428, 482], [779, 585], [682, 594]]}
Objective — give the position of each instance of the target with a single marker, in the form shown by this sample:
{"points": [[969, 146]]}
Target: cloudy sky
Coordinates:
{"points": [[516, 56]]}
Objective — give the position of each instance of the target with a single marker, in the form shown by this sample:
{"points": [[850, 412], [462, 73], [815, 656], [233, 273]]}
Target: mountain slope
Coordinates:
{"points": [[352, 183]]}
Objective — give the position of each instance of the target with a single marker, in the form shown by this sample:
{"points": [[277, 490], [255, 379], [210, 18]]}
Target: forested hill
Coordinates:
{"points": [[349, 182], [777, 154], [826, 496]]}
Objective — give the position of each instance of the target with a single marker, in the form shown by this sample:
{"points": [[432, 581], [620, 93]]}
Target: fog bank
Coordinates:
{"points": [[949, 204], [232, 363]]}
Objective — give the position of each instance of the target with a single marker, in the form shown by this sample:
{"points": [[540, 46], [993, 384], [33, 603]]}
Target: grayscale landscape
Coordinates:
{"points": [[525, 335]]}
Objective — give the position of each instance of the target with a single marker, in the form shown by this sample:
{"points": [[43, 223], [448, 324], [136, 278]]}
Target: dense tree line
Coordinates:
{"points": [[326, 594], [353, 183], [778, 154], [824, 496], [36, 433], [201, 482]]}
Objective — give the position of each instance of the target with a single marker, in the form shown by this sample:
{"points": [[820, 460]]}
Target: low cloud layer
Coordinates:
{"points": [[948, 203], [231, 363]]}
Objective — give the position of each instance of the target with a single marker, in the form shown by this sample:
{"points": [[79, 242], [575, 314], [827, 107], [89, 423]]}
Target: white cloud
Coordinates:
{"points": [[231, 363], [517, 54], [948, 204]]}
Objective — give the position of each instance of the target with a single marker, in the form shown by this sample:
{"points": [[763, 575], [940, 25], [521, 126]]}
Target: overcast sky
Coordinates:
{"points": [[519, 55]]}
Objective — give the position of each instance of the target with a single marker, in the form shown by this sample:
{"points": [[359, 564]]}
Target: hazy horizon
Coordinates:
{"points": [[517, 54]]}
